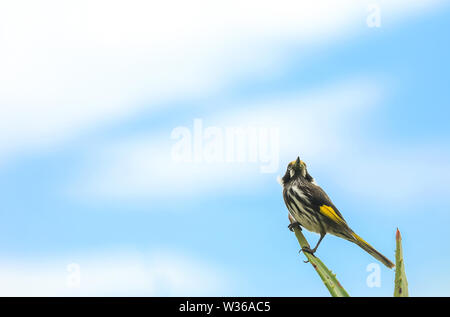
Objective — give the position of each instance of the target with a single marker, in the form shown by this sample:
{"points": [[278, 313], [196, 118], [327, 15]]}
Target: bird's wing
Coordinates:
{"points": [[321, 200]]}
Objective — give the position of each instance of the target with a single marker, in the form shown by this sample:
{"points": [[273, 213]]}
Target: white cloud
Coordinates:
{"points": [[69, 66], [142, 166], [113, 274], [323, 127]]}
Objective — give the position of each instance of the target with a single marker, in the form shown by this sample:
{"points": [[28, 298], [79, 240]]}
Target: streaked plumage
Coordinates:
{"points": [[311, 207]]}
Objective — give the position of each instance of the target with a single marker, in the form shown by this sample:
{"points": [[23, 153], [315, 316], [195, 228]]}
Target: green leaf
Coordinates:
{"points": [[401, 283], [328, 278]]}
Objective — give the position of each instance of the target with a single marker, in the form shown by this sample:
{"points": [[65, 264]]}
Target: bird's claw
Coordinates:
{"points": [[294, 225], [307, 250]]}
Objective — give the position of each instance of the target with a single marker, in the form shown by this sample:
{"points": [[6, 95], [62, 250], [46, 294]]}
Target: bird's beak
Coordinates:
{"points": [[297, 162]]}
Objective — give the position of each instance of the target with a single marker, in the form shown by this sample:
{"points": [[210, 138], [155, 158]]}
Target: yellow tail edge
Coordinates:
{"points": [[371, 250]]}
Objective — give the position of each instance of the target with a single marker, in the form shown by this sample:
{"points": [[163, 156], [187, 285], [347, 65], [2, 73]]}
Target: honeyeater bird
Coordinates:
{"points": [[312, 209]]}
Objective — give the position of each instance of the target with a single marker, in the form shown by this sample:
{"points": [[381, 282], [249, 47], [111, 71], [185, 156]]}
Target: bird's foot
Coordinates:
{"points": [[294, 225], [308, 250]]}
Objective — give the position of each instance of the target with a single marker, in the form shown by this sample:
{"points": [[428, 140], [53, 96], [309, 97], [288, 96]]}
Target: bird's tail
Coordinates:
{"points": [[371, 250]]}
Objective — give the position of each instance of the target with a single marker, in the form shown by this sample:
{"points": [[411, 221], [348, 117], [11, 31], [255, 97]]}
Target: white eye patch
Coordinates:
{"points": [[303, 172]]}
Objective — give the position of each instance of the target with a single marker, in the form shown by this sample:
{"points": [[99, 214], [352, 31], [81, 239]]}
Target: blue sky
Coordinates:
{"points": [[87, 175]]}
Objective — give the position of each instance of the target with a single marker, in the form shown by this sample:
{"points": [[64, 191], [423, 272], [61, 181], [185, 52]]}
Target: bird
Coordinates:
{"points": [[312, 209]]}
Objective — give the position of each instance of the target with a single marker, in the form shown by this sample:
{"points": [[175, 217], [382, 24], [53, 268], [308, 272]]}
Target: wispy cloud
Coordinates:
{"points": [[67, 67], [112, 274], [315, 123], [316, 126]]}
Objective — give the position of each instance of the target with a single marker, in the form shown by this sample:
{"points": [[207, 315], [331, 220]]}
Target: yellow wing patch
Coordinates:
{"points": [[329, 212], [360, 239]]}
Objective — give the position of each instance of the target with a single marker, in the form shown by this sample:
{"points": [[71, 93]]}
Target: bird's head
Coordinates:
{"points": [[295, 169]]}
